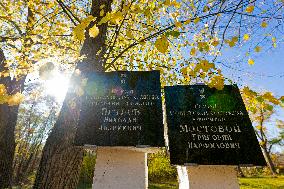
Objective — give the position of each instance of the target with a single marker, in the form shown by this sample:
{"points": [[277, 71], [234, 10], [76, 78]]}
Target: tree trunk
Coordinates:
{"points": [[8, 121], [8, 117], [269, 161], [61, 160]]}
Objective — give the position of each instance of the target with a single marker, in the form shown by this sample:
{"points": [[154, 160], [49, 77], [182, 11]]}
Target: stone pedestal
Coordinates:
{"points": [[121, 168], [208, 177], [182, 177]]}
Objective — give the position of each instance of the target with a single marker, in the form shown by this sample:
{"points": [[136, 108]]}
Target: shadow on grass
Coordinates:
{"points": [[169, 185], [84, 186], [245, 183]]}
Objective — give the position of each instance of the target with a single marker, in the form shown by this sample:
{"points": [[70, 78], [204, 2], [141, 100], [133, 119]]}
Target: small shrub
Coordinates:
{"points": [[88, 168], [159, 167]]}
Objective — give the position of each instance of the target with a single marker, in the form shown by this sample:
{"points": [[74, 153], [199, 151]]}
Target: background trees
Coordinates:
{"points": [[35, 120], [25, 41], [261, 108]]}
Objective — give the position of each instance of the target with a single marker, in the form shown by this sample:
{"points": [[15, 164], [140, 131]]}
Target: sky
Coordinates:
{"points": [[267, 74]]}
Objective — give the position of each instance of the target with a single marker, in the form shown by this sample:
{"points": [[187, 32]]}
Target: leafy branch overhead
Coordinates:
{"points": [[175, 37]]}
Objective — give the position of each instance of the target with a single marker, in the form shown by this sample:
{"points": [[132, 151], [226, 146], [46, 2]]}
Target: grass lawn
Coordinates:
{"points": [[245, 183], [169, 185], [262, 183]]}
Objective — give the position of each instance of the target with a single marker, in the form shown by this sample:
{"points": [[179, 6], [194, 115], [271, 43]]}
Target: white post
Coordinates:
{"points": [[182, 177], [209, 176], [120, 168]]}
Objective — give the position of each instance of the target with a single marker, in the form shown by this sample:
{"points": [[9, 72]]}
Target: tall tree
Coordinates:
{"points": [[8, 119], [25, 40], [33, 126], [261, 108], [61, 160], [12, 88]]}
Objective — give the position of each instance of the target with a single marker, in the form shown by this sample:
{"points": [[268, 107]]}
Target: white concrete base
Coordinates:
{"points": [[183, 179], [208, 177], [120, 168]]}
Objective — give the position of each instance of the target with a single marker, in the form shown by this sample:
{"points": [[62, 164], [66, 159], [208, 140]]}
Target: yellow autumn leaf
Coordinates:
{"points": [[116, 17], [3, 99], [129, 34], [257, 49], [250, 9], [94, 31], [162, 44], [273, 39], [264, 24], [102, 12], [250, 61], [193, 52], [269, 96], [183, 71], [204, 65], [235, 39], [232, 43], [172, 3], [196, 20], [175, 4], [105, 19], [274, 45], [248, 92], [262, 143], [178, 24], [15, 99], [86, 21], [4, 74], [206, 8], [215, 43], [79, 32], [217, 82], [3, 90], [187, 21], [147, 12], [203, 46], [259, 127], [246, 37], [167, 3], [142, 42], [187, 78]]}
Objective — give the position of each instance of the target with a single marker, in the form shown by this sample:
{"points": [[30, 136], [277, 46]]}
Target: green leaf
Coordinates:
{"points": [[173, 33], [162, 44], [269, 107]]}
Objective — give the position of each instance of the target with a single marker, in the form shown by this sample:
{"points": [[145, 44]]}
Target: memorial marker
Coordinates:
{"points": [[121, 111], [207, 126], [121, 108]]}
